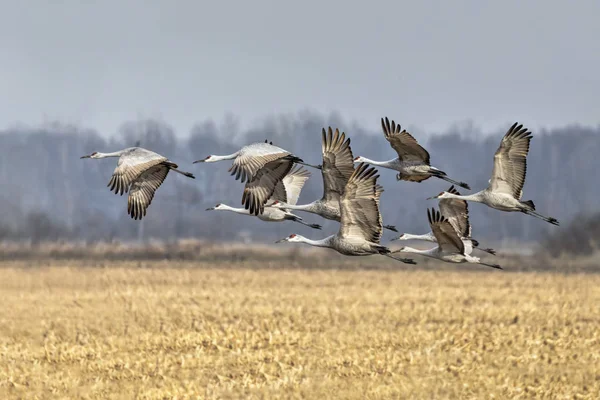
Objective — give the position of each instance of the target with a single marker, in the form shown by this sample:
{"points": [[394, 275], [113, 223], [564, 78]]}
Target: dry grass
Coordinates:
{"points": [[171, 331]]}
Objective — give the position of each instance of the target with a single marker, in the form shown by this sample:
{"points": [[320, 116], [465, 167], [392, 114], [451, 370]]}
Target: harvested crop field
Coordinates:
{"points": [[188, 330]]}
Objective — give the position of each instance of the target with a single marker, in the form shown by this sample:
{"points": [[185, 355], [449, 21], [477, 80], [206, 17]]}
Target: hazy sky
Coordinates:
{"points": [[428, 63]]}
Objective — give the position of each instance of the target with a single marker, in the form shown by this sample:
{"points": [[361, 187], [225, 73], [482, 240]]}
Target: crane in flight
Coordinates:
{"points": [[457, 213], [261, 166], [361, 224], [336, 169], [451, 247], [413, 162], [288, 191], [505, 188], [139, 172]]}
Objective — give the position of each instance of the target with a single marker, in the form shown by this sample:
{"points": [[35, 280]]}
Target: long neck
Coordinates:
{"points": [[477, 197], [106, 155], [388, 163], [427, 252], [409, 236], [227, 157], [225, 207], [310, 207], [326, 242]]}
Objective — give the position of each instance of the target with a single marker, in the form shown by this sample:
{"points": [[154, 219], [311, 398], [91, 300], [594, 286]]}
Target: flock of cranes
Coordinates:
{"points": [[351, 195]]}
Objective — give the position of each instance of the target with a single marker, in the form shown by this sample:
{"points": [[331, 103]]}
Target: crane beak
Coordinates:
{"points": [[210, 209], [88, 156], [396, 238], [282, 240], [431, 198], [197, 161]]}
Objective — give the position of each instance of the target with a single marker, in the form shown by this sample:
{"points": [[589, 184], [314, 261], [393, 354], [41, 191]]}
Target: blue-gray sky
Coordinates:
{"points": [[426, 64]]}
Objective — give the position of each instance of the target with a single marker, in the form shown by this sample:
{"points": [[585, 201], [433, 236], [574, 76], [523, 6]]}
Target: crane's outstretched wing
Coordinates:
{"points": [[446, 236], [359, 206], [404, 143], [130, 166], [288, 189], [258, 191], [510, 162], [143, 188], [338, 163], [254, 157], [456, 211]]}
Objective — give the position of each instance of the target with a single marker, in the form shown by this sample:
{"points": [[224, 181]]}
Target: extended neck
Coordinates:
{"points": [[477, 197], [386, 164], [106, 155], [317, 243], [427, 252], [310, 207], [409, 236], [222, 158], [225, 207]]}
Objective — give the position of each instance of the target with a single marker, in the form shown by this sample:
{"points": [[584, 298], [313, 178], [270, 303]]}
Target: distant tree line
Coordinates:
{"points": [[48, 193]]}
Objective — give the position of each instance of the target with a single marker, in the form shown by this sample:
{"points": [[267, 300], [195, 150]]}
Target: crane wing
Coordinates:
{"points": [[359, 206], [288, 189], [130, 166], [258, 191], [404, 143], [456, 211], [446, 236], [254, 157], [143, 188], [338, 163], [510, 162]]}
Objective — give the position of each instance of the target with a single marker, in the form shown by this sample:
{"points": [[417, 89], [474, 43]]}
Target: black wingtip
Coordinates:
{"points": [[464, 185], [391, 228], [490, 251]]}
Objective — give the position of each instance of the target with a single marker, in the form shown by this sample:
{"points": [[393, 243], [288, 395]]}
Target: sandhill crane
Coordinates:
{"points": [[336, 169], [361, 225], [505, 188], [261, 166], [413, 162], [288, 191], [457, 213], [139, 172], [450, 246]]}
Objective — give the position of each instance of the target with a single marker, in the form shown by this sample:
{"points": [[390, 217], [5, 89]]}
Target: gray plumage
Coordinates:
{"points": [[361, 224], [413, 162], [287, 190], [139, 172], [505, 187], [261, 166], [451, 247], [337, 167], [457, 213]]}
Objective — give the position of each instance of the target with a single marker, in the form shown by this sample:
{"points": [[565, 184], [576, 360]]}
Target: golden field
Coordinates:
{"points": [[161, 330]]}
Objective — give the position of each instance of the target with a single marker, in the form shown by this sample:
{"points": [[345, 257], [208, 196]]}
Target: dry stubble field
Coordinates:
{"points": [[168, 330]]}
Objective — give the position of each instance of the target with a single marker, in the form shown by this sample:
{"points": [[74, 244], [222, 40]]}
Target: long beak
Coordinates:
{"points": [[281, 240], [88, 156], [210, 209], [197, 161], [396, 238], [432, 197]]}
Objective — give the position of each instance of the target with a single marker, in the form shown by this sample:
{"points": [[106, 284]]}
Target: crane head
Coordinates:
{"points": [[442, 195], [207, 159], [217, 207], [359, 159], [292, 238], [90, 155], [401, 237]]}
